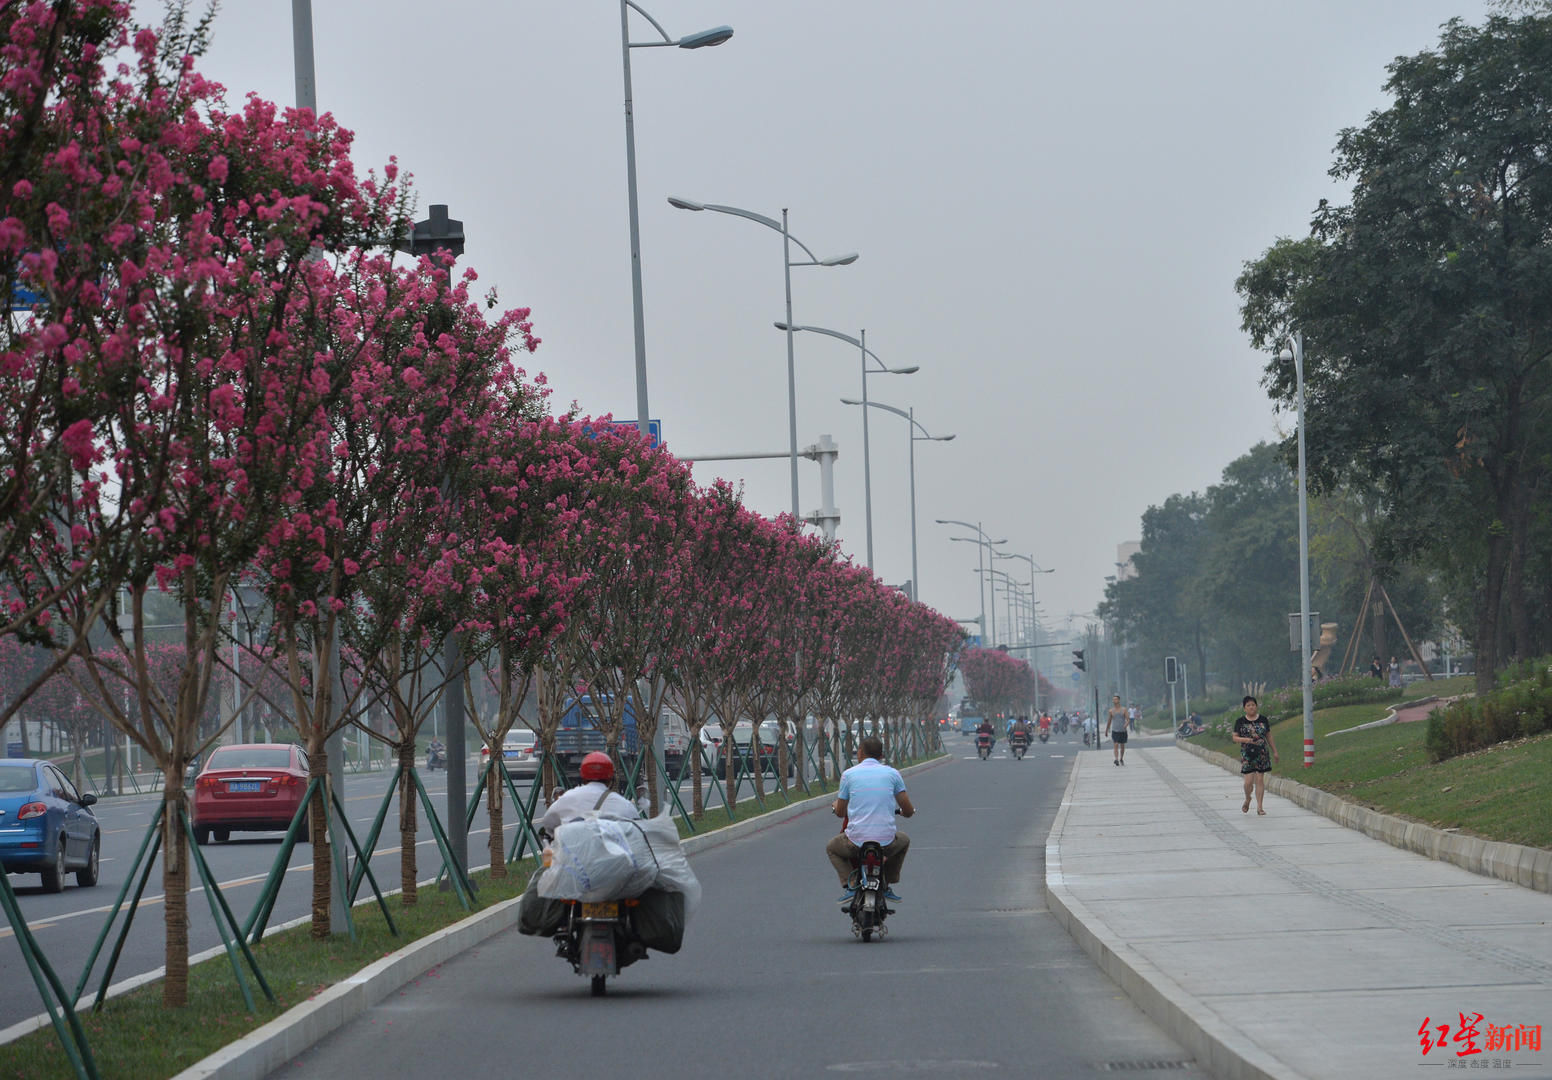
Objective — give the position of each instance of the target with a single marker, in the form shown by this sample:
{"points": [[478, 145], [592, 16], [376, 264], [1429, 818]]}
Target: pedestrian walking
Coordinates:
{"points": [[1254, 735], [1132, 713], [1395, 674], [1115, 723]]}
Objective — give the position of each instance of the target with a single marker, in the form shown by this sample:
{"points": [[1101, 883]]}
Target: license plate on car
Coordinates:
{"points": [[601, 911], [243, 785]]}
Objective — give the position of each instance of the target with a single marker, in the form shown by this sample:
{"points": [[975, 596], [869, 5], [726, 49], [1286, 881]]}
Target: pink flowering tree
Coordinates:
{"points": [[998, 682], [171, 385]]}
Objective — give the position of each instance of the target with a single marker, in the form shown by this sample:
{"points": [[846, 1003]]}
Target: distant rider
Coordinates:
{"points": [[1020, 730], [987, 730], [869, 793]]}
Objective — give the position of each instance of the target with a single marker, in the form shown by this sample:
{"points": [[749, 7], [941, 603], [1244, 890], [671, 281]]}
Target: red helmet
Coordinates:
{"points": [[597, 766]]}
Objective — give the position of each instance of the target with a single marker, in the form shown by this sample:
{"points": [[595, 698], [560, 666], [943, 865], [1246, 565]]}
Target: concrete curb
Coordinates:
{"points": [[1515, 863], [1222, 1050], [261, 1052]]}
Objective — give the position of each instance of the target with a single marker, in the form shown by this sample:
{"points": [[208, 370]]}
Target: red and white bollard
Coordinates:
{"points": [[1309, 753]]}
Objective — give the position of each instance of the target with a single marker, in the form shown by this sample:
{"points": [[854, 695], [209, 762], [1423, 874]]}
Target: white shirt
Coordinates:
{"points": [[581, 800]]}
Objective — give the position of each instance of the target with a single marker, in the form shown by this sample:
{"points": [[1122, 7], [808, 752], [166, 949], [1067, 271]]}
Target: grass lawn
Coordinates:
{"points": [[1499, 793]]}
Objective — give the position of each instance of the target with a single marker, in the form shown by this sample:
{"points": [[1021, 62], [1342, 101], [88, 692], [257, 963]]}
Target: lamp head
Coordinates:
{"points": [[685, 204], [783, 326], [1285, 356], [706, 38], [945, 438], [912, 370], [850, 401], [839, 260]]}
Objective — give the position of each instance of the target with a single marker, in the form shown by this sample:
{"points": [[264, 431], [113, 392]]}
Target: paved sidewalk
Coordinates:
{"points": [[1287, 945]]}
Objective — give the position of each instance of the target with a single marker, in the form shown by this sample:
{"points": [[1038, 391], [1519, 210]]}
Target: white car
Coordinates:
{"points": [[520, 749]]}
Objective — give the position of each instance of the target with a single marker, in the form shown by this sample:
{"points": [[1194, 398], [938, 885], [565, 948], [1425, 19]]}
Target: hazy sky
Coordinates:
{"points": [[1051, 202]]}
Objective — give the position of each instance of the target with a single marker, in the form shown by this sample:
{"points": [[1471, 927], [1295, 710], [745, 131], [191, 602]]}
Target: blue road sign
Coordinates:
{"points": [[654, 430], [1077, 676], [13, 749], [974, 641]]}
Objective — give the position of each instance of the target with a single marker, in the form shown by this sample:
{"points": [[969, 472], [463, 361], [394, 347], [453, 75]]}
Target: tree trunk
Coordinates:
{"points": [[318, 826], [697, 800], [1489, 608], [175, 892], [494, 799], [1377, 631], [407, 829], [1519, 610]]}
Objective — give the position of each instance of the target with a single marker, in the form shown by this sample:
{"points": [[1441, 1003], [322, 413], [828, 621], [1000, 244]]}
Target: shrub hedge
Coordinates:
{"points": [[1521, 707]]}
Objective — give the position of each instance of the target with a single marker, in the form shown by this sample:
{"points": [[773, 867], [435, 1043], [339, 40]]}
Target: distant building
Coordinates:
{"points": [[1125, 568]]}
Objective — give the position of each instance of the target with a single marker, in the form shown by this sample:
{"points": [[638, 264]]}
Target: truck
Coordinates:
{"points": [[579, 734]]}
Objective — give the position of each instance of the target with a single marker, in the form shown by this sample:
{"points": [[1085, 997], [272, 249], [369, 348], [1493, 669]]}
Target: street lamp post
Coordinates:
{"points": [[911, 428], [867, 467], [1034, 626], [987, 544], [705, 39], [1296, 354], [787, 240]]}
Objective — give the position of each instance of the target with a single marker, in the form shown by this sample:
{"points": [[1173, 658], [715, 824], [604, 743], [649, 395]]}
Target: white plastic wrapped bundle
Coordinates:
{"points": [[596, 858]]}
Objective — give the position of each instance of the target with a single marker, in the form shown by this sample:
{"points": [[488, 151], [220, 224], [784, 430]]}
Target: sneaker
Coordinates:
{"points": [[889, 894], [846, 897]]}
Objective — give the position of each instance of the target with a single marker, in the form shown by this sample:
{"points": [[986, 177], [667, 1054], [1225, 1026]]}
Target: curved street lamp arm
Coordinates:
{"points": [[769, 223], [637, 8]]}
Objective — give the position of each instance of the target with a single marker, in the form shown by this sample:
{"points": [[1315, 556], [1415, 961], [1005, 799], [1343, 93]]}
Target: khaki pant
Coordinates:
{"points": [[843, 854]]}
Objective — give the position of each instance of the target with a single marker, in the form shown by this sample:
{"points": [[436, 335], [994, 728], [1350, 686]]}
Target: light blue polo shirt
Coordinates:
{"points": [[869, 788]]}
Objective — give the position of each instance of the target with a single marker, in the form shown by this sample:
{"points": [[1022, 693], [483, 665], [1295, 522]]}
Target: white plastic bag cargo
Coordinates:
{"points": [[673, 866], [598, 859]]}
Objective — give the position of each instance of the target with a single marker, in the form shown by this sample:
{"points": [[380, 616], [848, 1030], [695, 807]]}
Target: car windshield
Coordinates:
{"points": [[251, 757], [14, 778]]}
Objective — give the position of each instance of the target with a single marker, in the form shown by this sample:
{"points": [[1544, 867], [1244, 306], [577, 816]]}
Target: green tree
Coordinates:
{"points": [[1426, 308]]}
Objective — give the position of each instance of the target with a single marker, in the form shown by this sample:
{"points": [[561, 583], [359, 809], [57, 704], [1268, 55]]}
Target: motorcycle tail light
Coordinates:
{"points": [[31, 810]]}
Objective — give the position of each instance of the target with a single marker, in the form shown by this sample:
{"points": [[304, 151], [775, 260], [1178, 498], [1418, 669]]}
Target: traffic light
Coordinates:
{"points": [[1171, 670], [1078, 663]]}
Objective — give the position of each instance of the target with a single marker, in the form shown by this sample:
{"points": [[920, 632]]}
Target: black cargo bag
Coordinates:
{"points": [[538, 915], [659, 920]]}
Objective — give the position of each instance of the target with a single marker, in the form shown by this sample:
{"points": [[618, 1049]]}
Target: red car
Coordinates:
{"points": [[249, 787]]}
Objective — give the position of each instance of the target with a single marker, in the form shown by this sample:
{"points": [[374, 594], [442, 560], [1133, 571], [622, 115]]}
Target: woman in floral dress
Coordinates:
{"points": [[1254, 735]]}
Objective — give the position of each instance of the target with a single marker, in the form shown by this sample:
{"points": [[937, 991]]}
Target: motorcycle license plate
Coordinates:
{"points": [[610, 910]]}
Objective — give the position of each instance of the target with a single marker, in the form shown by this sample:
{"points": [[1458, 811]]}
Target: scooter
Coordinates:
{"points": [[1085, 737], [436, 759], [868, 907], [1045, 734], [1018, 743], [983, 746]]}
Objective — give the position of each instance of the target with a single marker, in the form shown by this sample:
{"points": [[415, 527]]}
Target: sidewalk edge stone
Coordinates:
{"points": [[1517, 864], [267, 1048], [1218, 1047]]}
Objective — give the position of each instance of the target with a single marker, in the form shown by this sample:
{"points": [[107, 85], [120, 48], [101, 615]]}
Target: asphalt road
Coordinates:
{"points": [[67, 924], [974, 980]]}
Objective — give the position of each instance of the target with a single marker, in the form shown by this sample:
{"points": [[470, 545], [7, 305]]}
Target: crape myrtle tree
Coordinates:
{"points": [[1426, 307], [186, 406], [698, 642], [380, 519], [638, 542], [534, 474], [999, 682], [841, 604]]}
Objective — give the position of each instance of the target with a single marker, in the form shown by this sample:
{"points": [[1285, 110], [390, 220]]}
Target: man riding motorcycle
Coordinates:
{"points": [[594, 793], [1020, 730], [869, 794]]}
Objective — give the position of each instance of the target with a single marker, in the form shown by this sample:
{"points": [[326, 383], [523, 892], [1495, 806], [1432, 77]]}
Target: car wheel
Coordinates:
{"points": [[86, 877], [221, 835], [201, 835], [54, 876]]}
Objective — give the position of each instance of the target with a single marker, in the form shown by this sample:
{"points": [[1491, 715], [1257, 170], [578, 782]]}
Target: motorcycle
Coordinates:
{"points": [[1045, 734], [436, 758], [868, 907], [1018, 743], [983, 746], [1085, 737], [597, 941]]}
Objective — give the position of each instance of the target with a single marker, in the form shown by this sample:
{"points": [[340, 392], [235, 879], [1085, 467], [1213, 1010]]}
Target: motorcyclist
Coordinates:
{"points": [[435, 752], [986, 729], [1045, 724], [595, 793], [869, 794], [1019, 732]]}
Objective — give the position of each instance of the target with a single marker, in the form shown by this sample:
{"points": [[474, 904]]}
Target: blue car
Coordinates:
{"points": [[46, 825]]}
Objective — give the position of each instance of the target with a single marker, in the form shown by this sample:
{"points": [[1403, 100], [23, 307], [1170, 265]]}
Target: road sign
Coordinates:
{"points": [[654, 430], [1295, 634], [973, 640], [13, 749], [1077, 676], [1171, 670]]}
